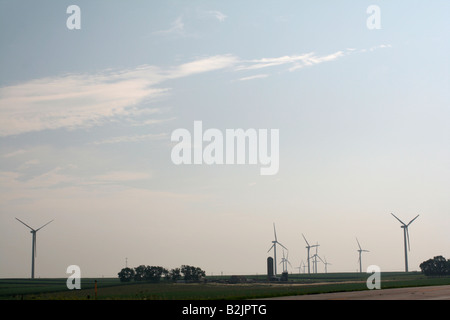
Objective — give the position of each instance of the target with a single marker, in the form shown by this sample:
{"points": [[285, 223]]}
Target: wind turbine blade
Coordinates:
{"points": [[282, 246], [43, 225], [358, 244], [24, 224], [412, 220], [399, 219], [305, 240], [274, 232], [271, 247]]}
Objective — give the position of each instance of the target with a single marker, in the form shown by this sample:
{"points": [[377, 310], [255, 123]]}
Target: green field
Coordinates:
{"points": [[216, 287]]}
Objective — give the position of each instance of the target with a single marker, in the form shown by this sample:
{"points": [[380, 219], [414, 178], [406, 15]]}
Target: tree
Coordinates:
{"points": [[153, 273], [126, 274], [139, 273], [174, 274], [191, 273], [438, 266]]}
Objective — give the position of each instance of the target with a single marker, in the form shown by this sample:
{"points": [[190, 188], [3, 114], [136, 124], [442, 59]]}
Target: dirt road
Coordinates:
{"points": [[415, 293]]}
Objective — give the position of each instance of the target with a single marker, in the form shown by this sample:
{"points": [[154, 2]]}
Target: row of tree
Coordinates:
{"points": [[438, 266], [154, 274]]}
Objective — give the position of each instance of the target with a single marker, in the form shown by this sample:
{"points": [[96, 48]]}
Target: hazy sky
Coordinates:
{"points": [[86, 118]]}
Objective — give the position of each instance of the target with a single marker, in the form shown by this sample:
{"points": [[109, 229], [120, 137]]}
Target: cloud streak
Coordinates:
{"points": [[296, 61], [135, 138], [85, 100], [76, 101], [217, 15], [177, 27]]}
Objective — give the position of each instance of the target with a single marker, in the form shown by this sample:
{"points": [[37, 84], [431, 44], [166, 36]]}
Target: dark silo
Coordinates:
{"points": [[270, 268]]}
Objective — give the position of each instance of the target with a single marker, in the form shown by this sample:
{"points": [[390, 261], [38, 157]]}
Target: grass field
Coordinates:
{"points": [[216, 288]]}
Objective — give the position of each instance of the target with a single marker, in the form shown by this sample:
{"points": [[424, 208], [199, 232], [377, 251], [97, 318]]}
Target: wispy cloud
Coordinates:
{"points": [[295, 61], [257, 76], [203, 65], [74, 101], [14, 153], [121, 176], [134, 138], [177, 27], [85, 100], [217, 15]]}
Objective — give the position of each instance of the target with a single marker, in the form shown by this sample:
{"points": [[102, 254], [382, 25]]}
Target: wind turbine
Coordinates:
{"points": [[315, 256], [302, 264], [33, 248], [285, 261], [308, 247], [274, 246], [325, 263], [360, 251], [405, 235]]}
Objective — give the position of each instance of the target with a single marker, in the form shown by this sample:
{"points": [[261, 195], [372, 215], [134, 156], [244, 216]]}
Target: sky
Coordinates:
{"points": [[361, 103]]}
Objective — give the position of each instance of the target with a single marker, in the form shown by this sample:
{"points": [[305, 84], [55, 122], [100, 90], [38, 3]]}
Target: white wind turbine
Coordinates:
{"points": [[33, 248], [302, 265], [315, 256], [325, 263], [274, 246], [405, 236], [360, 251], [285, 261], [308, 247]]}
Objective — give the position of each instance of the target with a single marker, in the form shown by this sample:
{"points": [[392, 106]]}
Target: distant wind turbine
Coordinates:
{"points": [[285, 261], [33, 248], [274, 246], [302, 265], [308, 247], [325, 263], [315, 256], [360, 251], [405, 236]]}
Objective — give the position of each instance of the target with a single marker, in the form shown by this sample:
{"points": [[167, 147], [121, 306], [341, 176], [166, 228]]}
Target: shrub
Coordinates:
{"points": [[438, 266]]}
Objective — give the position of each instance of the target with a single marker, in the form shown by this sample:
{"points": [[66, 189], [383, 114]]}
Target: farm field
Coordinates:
{"points": [[215, 288]]}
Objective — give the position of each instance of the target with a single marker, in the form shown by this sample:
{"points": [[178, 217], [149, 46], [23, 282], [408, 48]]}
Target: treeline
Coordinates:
{"points": [[154, 274], [438, 266]]}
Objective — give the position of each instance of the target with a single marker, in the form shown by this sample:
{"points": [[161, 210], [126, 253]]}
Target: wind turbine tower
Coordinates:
{"points": [[308, 247], [405, 236], [274, 246], [325, 263], [33, 245], [360, 251], [315, 256]]}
